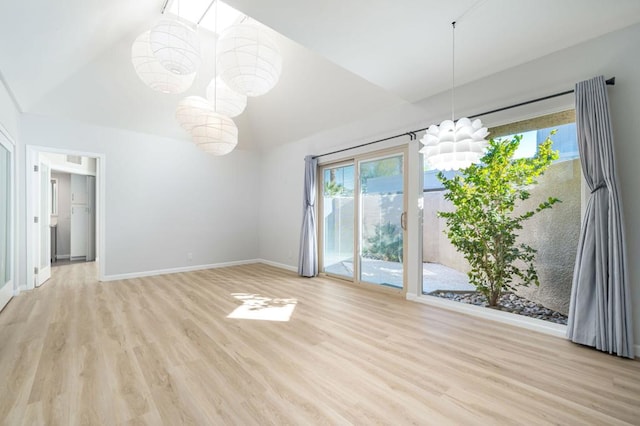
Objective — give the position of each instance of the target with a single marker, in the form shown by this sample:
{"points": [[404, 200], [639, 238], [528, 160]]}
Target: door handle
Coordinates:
{"points": [[403, 220]]}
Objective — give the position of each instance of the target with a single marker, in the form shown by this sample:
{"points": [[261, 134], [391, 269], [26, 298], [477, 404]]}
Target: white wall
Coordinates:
{"points": [[164, 198], [9, 114], [615, 54]]}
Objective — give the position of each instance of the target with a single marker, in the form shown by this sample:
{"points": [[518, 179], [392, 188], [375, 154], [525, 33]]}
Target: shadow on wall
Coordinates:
{"points": [[554, 233]]}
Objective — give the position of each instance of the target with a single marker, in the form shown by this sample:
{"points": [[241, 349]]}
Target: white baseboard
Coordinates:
{"points": [[278, 265], [534, 324], [177, 270], [142, 274]]}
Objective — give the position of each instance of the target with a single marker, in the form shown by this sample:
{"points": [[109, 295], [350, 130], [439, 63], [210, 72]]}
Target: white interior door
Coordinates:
{"points": [[43, 221], [6, 215], [79, 217], [91, 219], [79, 224]]}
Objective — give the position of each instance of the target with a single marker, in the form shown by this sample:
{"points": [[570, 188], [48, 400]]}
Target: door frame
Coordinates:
{"points": [[355, 160], [10, 290], [32, 153]]}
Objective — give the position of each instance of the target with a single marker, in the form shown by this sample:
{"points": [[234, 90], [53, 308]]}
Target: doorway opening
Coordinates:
{"points": [[73, 222], [65, 211]]}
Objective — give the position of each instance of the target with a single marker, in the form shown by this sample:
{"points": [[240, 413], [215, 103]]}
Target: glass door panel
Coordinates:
{"points": [[6, 230], [5, 210], [338, 220], [381, 220]]}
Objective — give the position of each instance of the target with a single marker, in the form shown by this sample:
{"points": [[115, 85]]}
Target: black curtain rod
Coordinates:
{"points": [[412, 134]]}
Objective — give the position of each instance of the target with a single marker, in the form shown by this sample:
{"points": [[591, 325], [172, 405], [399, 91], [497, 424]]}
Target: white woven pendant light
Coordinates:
{"points": [[249, 59], [453, 146], [211, 131], [192, 110], [216, 134], [176, 46], [225, 100], [153, 74]]}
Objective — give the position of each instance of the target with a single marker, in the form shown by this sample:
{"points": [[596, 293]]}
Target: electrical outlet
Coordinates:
{"points": [[189, 257]]}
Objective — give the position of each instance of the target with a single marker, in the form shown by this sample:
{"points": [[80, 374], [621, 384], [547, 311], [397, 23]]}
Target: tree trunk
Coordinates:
{"points": [[494, 296]]}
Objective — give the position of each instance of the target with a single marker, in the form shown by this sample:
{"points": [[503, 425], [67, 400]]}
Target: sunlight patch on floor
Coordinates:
{"points": [[257, 307]]}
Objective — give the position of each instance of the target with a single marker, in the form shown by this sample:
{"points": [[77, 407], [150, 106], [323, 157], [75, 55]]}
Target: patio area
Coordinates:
{"points": [[434, 276]]}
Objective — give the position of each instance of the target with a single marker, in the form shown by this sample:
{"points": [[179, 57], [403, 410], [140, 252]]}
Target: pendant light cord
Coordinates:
{"points": [[215, 59], [453, 69], [475, 6]]}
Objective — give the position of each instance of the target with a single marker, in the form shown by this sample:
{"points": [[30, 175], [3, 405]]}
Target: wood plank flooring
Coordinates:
{"points": [[161, 350]]}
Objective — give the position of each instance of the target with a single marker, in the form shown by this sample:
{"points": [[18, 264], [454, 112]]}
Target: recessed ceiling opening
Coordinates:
{"points": [[203, 13]]}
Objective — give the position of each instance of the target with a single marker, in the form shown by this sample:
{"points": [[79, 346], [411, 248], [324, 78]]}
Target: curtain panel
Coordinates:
{"points": [[600, 308], [308, 256]]}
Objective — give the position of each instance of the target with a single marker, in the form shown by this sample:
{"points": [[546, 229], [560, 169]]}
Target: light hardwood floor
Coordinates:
{"points": [[161, 350]]}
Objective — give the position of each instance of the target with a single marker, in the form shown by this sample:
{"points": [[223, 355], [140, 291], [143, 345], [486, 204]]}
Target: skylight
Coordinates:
{"points": [[203, 13]]}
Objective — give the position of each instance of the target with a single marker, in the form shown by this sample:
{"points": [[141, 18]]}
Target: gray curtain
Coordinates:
{"points": [[308, 256], [600, 309]]}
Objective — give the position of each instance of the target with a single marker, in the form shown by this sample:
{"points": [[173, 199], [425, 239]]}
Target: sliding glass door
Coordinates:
{"points": [[381, 220], [363, 216], [338, 220]]}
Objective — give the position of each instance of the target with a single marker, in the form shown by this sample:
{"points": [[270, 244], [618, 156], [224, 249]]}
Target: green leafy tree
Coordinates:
{"points": [[385, 243], [483, 226], [333, 189], [375, 169]]}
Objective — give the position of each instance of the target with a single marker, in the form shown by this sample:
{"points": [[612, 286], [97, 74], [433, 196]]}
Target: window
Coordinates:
{"points": [[554, 232], [564, 141]]}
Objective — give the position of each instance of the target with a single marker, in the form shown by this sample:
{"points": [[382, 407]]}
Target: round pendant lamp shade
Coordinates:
{"points": [[216, 134], [453, 146], [176, 46], [152, 73], [192, 111], [224, 100], [249, 60]]}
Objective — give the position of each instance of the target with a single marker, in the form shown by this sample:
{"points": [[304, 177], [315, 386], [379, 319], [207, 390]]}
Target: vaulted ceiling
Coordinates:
{"points": [[343, 59]]}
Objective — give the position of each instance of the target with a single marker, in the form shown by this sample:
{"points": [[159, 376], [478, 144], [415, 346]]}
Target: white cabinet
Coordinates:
{"points": [[83, 202], [78, 189], [79, 216]]}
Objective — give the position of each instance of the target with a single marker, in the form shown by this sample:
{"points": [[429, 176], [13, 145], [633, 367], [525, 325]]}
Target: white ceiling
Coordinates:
{"points": [[343, 59]]}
